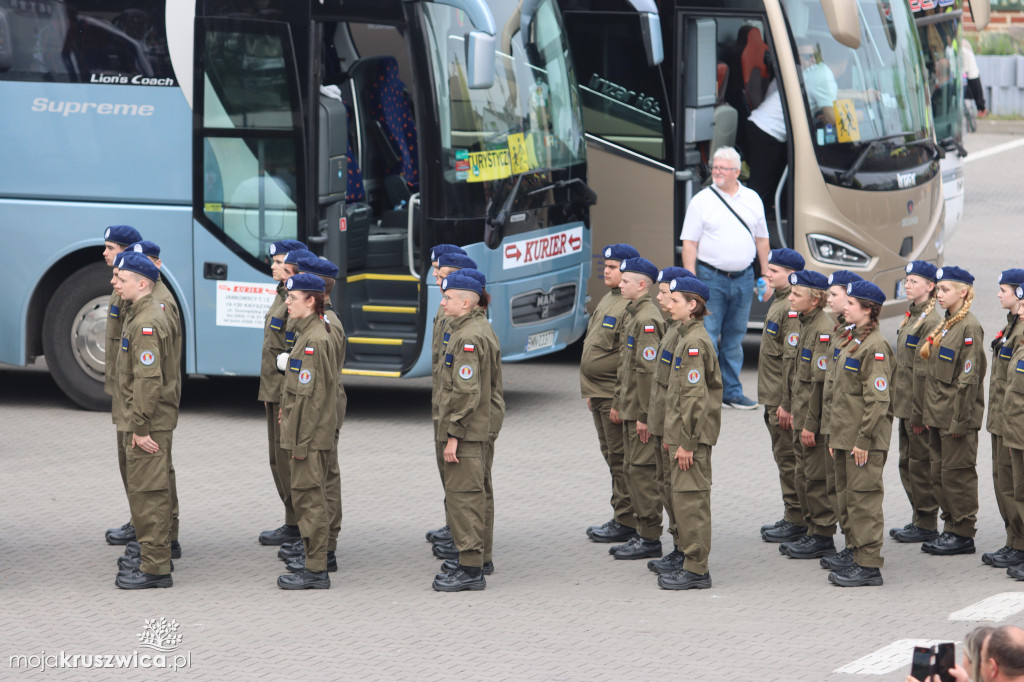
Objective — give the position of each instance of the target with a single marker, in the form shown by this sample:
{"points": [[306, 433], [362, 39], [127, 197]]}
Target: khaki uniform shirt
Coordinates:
{"points": [[954, 397], [116, 311], [1013, 401], [1005, 342], [812, 362], [662, 373], [309, 391], [862, 402], [148, 370], [271, 380], [497, 387], [600, 360], [466, 381], [831, 372], [338, 341], [645, 325], [693, 410], [911, 368], [437, 346], [790, 351], [771, 375]]}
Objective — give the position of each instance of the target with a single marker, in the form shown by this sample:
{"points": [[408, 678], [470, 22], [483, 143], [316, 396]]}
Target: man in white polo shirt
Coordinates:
{"points": [[723, 232]]}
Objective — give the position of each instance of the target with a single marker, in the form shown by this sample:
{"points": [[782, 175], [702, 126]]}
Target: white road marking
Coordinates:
{"points": [[887, 659], [995, 608], [992, 151]]}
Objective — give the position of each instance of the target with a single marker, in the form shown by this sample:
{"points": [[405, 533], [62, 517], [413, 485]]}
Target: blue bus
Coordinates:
{"points": [[370, 129]]}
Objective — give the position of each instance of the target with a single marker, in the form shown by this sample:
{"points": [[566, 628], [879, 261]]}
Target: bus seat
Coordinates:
{"points": [[390, 110], [726, 120], [357, 212], [755, 70], [722, 78]]}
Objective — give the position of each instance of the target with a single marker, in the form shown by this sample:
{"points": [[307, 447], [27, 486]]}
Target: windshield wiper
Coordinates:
{"points": [[950, 143], [846, 177], [589, 195], [496, 223]]}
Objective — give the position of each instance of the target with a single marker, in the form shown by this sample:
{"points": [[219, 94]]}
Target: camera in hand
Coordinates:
{"points": [[936, 660]]}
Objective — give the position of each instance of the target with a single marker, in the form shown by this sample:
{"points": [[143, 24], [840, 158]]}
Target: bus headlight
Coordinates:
{"points": [[836, 252]]}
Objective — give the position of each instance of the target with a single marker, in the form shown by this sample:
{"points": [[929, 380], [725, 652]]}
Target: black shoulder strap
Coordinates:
{"points": [[732, 210]]}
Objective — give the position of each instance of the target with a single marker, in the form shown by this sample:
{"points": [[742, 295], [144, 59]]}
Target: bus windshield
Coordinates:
{"points": [[877, 92], [938, 29], [528, 120]]}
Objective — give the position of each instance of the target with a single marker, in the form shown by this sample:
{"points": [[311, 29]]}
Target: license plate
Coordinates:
{"points": [[901, 289], [540, 340]]}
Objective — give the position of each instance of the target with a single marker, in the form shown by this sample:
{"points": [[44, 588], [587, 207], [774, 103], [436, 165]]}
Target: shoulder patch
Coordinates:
{"points": [[1020, 366], [912, 341], [879, 356], [114, 311], [650, 352], [289, 339], [608, 322], [793, 313], [124, 343], [447, 335], [852, 365], [649, 328], [805, 354], [881, 384], [147, 358], [276, 323], [666, 357], [968, 340], [305, 376], [822, 362], [835, 353], [693, 376], [147, 331], [294, 365], [793, 339], [469, 347], [448, 359], [630, 342], [946, 354], [968, 367], [466, 372], [771, 328], [693, 352], [309, 350], [1005, 353], [824, 338]]}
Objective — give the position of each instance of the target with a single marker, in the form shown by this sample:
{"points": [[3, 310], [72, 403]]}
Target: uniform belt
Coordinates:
{"points": [[731, 275]]}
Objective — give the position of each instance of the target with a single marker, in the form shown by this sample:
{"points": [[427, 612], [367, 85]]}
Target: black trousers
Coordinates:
{"points": [[766, 157]]}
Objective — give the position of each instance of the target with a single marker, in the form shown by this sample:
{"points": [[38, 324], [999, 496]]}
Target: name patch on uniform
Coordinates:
{"points": [[147, 331], [305, 376], [946, 354], [852, 365], [912, 341], [793, 339], [1005, 353], [880, 384], [630, 341], [879, 356], [650, 353], [824, 338], [649, 328], [276, 323], [771, 328], [146, 357], [448, 360], [968, 367], [124, 343], [666, 357], [309, 350], [289, 339], [114, 311], [609, 322], [294, 364], [468, 347], [447, 335], [693, 352], [693, 376], [822, 363], [805, 354], [466, 372], [968, 340]]}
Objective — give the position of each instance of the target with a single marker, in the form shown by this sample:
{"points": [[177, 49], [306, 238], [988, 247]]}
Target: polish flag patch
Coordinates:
{"points": [[824, 338], [469, 347], [793, 313], [693, 351], [968, 340], [879, 356], [309, 350], [649, 328], [147, 331]]}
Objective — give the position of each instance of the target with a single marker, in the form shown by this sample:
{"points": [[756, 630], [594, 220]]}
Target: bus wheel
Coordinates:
{"points": [[74, 335]]}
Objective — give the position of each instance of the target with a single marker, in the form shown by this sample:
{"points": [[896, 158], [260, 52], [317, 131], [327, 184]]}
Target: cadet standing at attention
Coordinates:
{"points": [[271, 382], [308, 422], [643, 329], [598, 367], [444, 533], [116, 239], [148, 372], [693, 419], [1012, 552], [807, 297], [464, 428], [954, 403], [672, 561], [908, 405], [1013, 425], [859, 439], [773, 391]]}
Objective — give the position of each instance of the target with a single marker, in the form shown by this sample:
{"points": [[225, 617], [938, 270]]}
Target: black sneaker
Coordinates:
{"points": [[641, 549], [279, 535], [1016, 571], [772, 526], [670, 563], [815, 547], [458, 581], [893, 531], [445, 550], [299, 564], [785, 546], [949, 544], [137, 580], [1011, 557], [842, 560], [304, 580], [631, 541], [915, 534], [610, 531], [740, 402], [289, 551], [785, 532], [684, 580], [175, 549], [120, 536], [856, 576], [452, 565], [442, 534]]}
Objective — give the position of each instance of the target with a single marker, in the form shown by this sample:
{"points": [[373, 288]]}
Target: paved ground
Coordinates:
{"points": [[558, 606]]}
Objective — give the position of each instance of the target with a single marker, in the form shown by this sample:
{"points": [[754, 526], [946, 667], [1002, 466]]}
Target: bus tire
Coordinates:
{"points": [[74, 336]]}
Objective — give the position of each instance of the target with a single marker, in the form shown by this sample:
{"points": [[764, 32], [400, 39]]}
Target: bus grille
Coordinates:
{"points": [[539, 306]]}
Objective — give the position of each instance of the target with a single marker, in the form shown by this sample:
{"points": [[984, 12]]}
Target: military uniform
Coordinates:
{"points": [[1013, 435], [839, 333], [908, 406], [148, 378], [954, 403], [644, 327], [693, 419], [117, 310], [497, 418], [598, 367], [271, 383], [773, 372], [1002, 464], [309, 410], [332, 483], [656, 420], [438, 345], [862, 418]]}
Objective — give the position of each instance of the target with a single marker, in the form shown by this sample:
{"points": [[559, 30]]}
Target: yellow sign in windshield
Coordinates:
{"points": [[847, 127], [496, 164]]}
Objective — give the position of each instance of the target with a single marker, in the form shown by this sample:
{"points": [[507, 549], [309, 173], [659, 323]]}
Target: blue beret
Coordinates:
{"points": [[440, 249], [295, 255], [146, 248], [1019, 293], [122, 234], [455, 260], [866, 291], [921, 268], [619, 252], [317, 266], [1013, 277], [787, 258], [460, 280], [843, 277], [690, 285], [640, 265], [137, 263], [304, 282], [672, 272], [809, 278], [475, 274], [952, 272], [285, 245]]}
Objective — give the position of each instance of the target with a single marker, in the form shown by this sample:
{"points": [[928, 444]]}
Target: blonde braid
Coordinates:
{"points": [[940, 331]]}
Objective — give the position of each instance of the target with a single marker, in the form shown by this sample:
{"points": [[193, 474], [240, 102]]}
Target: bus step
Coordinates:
{"points": [[383, 288], [379, 353]]}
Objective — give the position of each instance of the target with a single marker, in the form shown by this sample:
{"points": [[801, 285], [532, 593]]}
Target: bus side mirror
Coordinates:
{"points": [[480, 60], [843, 17], [981, 11], [650, 30]]}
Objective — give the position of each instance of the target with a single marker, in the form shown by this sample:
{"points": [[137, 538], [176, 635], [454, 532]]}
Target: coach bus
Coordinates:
{"points": [[370, 129], [665, 84]]}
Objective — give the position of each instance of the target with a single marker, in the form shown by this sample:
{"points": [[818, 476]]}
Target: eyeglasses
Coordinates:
{"points": [[722, 169]]}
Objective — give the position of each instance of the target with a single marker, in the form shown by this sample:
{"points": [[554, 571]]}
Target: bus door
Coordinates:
{"points": [[248, 181]]}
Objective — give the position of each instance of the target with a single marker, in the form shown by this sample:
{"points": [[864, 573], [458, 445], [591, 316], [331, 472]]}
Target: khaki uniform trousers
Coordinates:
{"points": [[280, 466], [1017, 462], [916, 475], [642, 482], [332, 493], [811, 480], [609, 434], [488, 490], [833, 494], [664, 462], [149, 497], [309, 498], [1003, 480], [785, 460], [860, 493], [955, 474], [691, 498], [122, 462], [466, 500]]}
